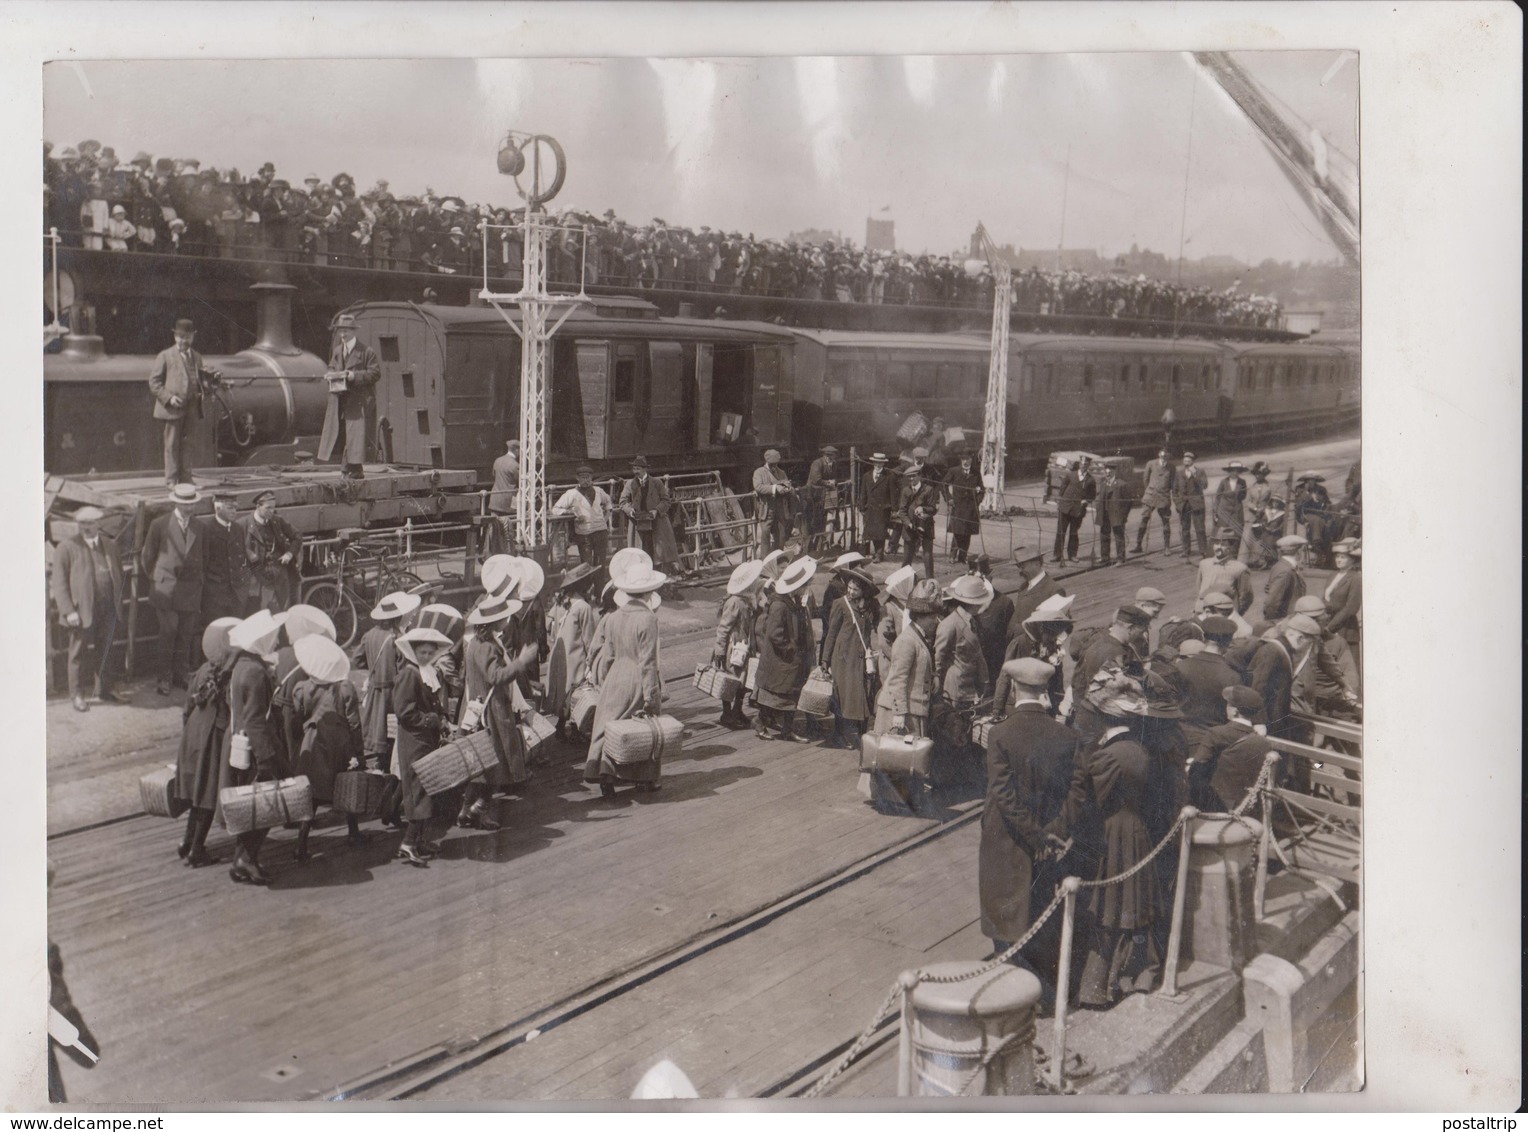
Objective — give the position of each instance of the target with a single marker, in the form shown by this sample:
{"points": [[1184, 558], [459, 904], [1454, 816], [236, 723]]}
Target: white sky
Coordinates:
{"points": [[768, 145]]}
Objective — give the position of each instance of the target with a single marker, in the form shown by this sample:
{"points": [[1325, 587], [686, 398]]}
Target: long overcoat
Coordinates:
{"points": [[420, 714], [628, 679], [568, 663], [850, 631], [377, 655], [965, 491], [786, 651], [490, 677], [1113, 779], [356, 404], [330, 735], [1030, 761], [250, 688], [878, 499], [204, 723], [175, 561]]}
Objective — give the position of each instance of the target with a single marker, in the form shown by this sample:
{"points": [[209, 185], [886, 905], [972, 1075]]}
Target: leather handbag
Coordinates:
{"points": [[362, 793], [905, 755]]}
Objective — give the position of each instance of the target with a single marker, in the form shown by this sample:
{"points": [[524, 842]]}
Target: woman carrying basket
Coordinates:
{"points": [[202, 739], [734, 635], [418, 703], [851, 659], [626, 671], [251, 687]]}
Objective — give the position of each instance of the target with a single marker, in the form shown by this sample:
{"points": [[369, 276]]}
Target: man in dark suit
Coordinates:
{"points": [[1036, 585], [1126, 641], [1286, 584], [1071, 507], [174, 559], [1188, 499], [992, 623], [878, 499], [1157, 495], [1206, 674], [1115, 500], [918, 505], [226, 587], [821, 482], [350, 418], [87, 589], [1029, 770], [271, 547], [177, 381], [1227, 758]]}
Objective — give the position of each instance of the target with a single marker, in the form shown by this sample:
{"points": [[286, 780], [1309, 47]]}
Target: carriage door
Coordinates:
{"points": [[663, 433], [771, 396], [705, 354], [594, 393]]}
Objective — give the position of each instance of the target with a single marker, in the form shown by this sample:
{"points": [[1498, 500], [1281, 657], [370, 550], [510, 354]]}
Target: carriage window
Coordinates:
{"points": [[388, 345], [923, 380], [1050, 381], [624, 387], [976, 382], [1204, 377], [1087, 379], [1177, 376], [838, 383], [861, 381], [899, 378], [1029, 377], [1140, 377], [951, 383]]}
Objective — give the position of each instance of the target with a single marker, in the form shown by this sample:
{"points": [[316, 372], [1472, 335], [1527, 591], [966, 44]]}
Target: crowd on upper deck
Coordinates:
{"points": [[174, 206]]}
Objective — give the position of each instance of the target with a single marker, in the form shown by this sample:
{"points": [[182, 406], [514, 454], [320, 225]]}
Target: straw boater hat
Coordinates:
{"points": [[185, 493], [970, 589], [88, 514], [395, 605], [256, 633], [446, 618], [307, 621], [494, 609], [1234, 466], [628, 560], [215, 646], [744, 576], [323, 660], [532, 579], [576, 577], [878, 458], [499, 576], [899, 583], [773, 563], [843, 561], [796, 575]]}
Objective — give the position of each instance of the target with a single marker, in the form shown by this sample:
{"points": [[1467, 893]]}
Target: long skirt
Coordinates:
{"points": [[621, 697], [1119, 961], [417, 805]]}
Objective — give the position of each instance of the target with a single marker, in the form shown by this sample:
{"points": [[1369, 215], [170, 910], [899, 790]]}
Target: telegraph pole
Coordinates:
{"points": [[538, 308]]}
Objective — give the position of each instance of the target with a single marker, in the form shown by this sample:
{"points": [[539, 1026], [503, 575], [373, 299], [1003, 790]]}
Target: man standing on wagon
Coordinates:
{"points": [[350, 418], [177, 382]]}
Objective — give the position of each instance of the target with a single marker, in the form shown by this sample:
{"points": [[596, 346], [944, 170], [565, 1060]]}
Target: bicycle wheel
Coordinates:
{"points": [[334, 601]]}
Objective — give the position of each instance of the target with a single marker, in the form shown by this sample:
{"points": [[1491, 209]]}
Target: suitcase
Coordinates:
{"points": [[363, 793], [904, 755], [643, 738], [266, 805], [751, 677], [716, 683], [816, 694], [980, 729], [535, 730], [448, 766], [157, 789], [912, 428], [581, 705]]}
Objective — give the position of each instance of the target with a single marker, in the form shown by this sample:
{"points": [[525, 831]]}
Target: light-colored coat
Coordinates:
{"points": [[356, 404], [74, 577], [1158, 488], [174, 376], [909, 683], [960, 667]]}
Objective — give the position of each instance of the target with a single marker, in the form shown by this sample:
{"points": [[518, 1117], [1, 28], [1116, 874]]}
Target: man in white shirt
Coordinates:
{"points": [[590, 507], [506, 487]]}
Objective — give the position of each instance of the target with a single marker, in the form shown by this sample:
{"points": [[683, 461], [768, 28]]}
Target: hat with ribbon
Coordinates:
{"points": [[744, 575], [628, 560], [1234, 466], [575, 577], [499, 575], [852, 558], [492, 609], [796, 575], [773, 563], [323, 660], [185, 493], [446, 618], [308, 621], [532, 579], [970, 589], [395, 605], [878, 458]]}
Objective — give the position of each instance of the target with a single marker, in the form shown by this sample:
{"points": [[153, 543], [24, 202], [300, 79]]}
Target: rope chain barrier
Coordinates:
{"points": [[920, 976]]}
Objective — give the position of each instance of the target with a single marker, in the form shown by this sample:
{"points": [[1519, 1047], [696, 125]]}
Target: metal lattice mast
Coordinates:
{"points": [[995, 424], [537, 307]]}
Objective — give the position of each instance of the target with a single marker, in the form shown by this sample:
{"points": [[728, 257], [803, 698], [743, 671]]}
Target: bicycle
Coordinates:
{"points": [[362, 575]]}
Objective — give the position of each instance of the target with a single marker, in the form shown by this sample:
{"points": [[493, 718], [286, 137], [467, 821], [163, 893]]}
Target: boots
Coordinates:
{"points": [[196, 855], [302, 842]]}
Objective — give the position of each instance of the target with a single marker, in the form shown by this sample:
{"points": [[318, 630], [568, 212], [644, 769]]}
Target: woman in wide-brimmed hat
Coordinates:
{"points": [[492, 671], [907, 693], [568, 663], [1041, 636], [1257, 549], [734, 626], [250, 688], [204, 728], [418, 703], [325, 701], [378, 657], [787, 649], [628, 678], [849, 654], [1114, 780]]}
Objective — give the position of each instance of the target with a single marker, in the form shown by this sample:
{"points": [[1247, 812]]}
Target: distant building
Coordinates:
{"points": [[1302, 322], [818, 236], [880, 235]]}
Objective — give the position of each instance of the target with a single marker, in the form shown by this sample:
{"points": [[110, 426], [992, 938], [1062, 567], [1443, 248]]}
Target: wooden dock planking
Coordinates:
{"points": [[740, 1018], [346, 981]]}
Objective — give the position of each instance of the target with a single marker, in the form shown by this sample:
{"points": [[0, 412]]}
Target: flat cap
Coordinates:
{"points": [[1216, 601], [1292, 542], [1023, 554], [1311, 604], [1029, 671], [1149, 593], [1218, 627], [1242, 698], [1303, 624], [1132, 615]]}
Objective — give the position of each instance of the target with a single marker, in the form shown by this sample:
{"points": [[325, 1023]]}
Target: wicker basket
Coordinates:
{"points": [[981, 729], [448, 766], [643, 739], [535, 730], [157, 789], [816, 694], [362, 793], [717, 683], [912, 428], [265, 805], [581, 706]]}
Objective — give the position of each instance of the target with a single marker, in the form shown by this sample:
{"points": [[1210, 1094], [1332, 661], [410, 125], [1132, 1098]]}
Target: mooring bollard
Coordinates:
{"points": [[1220, 925], [950, 1028]]}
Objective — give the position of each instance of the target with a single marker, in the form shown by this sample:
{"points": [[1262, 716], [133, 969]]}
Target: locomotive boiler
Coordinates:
{"points": [[98, 411]]}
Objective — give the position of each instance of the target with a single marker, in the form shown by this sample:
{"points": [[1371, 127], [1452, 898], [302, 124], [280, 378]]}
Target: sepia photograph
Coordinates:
{"points": [[816, 577]]}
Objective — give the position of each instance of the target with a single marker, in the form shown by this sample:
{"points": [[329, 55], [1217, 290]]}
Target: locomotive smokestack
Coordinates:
{"points": [[274, 318]]}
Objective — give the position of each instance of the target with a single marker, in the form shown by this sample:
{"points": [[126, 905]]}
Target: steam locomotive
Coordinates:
{"points": [[697, 394]]}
